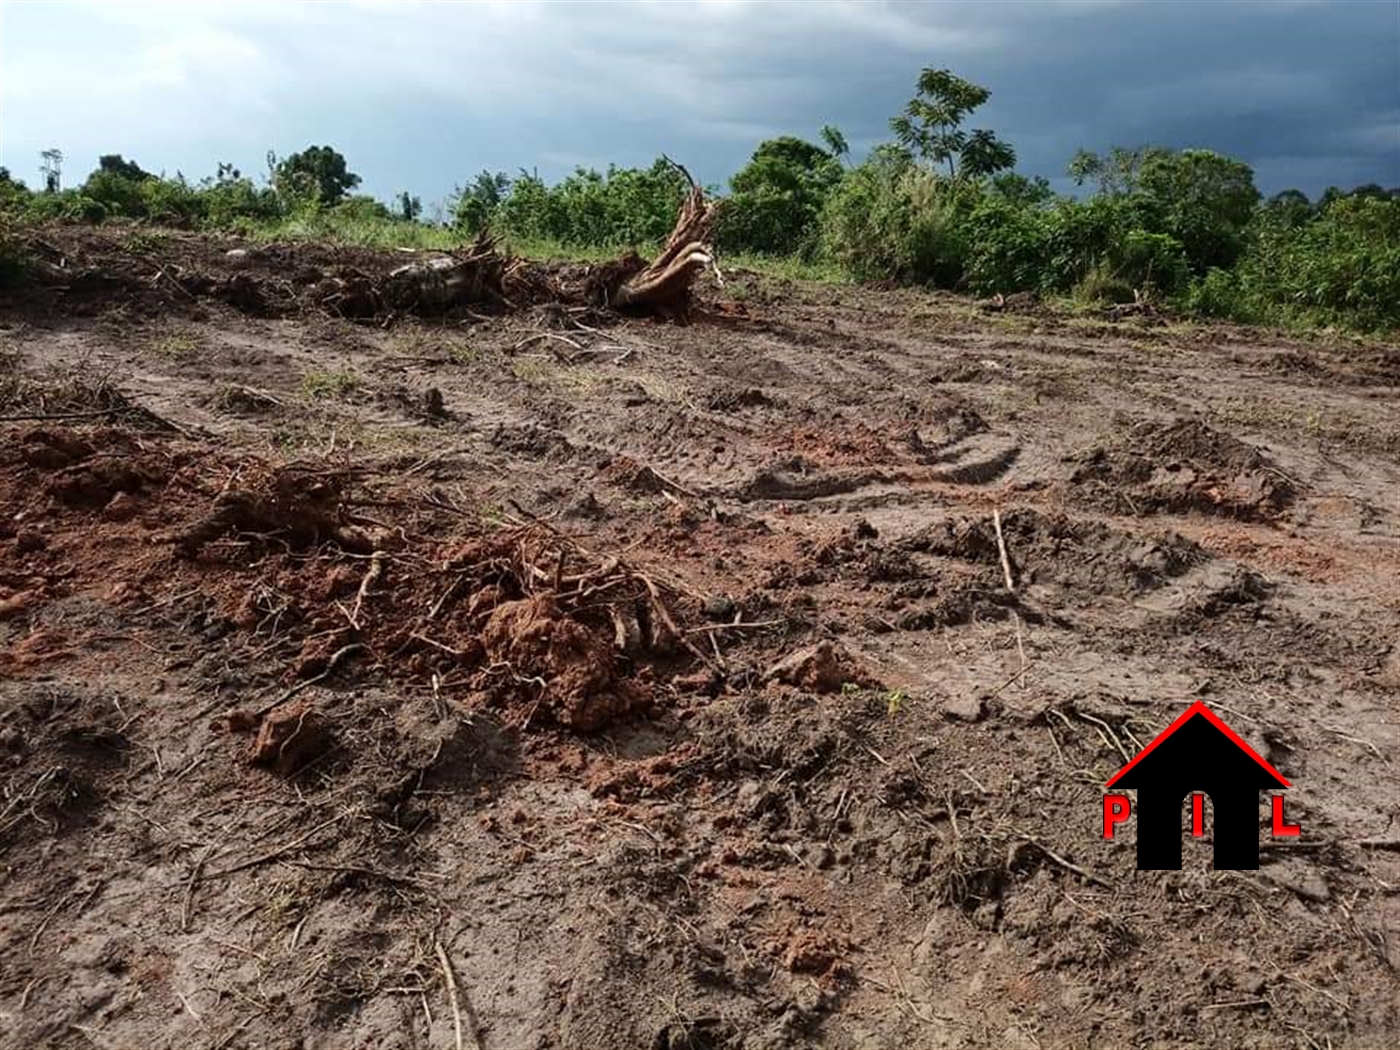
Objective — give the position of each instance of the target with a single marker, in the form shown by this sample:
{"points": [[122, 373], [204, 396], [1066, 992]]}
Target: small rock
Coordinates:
{"points": [[719, 608], [585, 506], [238, 257], [29, 540], [121, 508], [700, 682], [289, 738], [18, 603], [965, 708], [433, 405], [822, 668]]}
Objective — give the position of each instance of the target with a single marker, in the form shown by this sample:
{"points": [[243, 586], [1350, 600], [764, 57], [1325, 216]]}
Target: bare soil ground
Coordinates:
{"points": [[537, 678]]}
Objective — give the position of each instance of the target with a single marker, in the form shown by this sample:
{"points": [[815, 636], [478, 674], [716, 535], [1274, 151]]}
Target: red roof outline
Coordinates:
{"points": [[1199, 708]]}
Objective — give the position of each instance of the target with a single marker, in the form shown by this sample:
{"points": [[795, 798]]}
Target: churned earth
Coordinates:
{"points": [[536, 677]]}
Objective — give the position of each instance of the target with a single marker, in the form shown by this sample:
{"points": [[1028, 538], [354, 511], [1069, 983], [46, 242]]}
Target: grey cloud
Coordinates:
{"points": [[422, 96]]}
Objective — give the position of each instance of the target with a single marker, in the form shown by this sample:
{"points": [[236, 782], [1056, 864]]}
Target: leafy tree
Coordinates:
{"points": [[1207, 200], [409, 208], [1342, 267], [1018, 189], [778, 196], [1116, 172], [835, 142], [52, 168], [984, 154], [1291, 207], [476, 203], [931, 126], [892, 219], [113, 164], [319, 168], [361, 207]]}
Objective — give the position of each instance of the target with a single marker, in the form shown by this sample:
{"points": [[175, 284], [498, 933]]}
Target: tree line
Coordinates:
{"points": [[940, 204]]}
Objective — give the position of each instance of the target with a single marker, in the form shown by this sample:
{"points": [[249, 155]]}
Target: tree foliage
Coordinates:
{"points": [[931, 128], [777, 198], [317, 169], [939, 205]]}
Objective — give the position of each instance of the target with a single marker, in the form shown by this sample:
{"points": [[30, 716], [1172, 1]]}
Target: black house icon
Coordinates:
{"points": [[1198, 752]]}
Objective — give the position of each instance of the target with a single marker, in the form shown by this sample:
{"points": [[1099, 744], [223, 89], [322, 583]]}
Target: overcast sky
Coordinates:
{"points": [[422, 96]]}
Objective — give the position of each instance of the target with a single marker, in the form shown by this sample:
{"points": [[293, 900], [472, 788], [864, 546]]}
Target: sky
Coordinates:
{"points": [[422, 96]]}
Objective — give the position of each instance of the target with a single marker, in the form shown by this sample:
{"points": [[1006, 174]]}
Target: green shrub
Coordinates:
{"points": [[777, 199], [117, 194], [1009, 247], [892, 220], [1341, 268], [173, 202]]}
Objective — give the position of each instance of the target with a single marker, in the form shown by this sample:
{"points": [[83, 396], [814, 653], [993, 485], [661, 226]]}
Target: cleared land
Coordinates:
{"points": [[411, 682]]}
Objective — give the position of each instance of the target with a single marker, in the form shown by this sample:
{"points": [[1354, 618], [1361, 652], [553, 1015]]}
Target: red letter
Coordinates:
{"points": [[1282, 830], [1198, 815], [1116, 809]]}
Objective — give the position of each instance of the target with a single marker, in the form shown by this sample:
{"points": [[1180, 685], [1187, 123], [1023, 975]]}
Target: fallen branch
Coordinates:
{"points": [[1070, 866], [336, 657], [376, 569], [1001, 549], [451, 979]]}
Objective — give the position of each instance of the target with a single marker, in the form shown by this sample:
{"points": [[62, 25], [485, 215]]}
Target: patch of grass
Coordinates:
{"points": [[462, 353], [321, 385], [531, 370], [430, 344], [894, 701], [177, 345], [366, 232], [787, 268], [148, 242]]}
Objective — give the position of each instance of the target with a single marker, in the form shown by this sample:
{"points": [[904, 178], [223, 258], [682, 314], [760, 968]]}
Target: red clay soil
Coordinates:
{"points": [[371, 681]]}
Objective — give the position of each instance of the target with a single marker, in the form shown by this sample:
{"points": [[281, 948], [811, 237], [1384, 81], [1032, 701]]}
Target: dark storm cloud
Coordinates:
{"points": [[422, 96]]}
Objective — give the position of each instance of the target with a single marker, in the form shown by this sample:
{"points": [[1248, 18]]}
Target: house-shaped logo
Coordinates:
{"points": [[1198, 754]]}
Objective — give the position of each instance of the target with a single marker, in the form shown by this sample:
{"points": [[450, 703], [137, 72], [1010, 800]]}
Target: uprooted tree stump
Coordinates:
{"points": [[666, 284], [479, 275]]}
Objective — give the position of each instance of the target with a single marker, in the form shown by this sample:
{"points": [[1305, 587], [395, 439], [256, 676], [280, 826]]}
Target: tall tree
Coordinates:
{"points": [[778, 196], [52, 169], [1207, 199], [931, 126], [835, 142], [409, 208], [113, 164], [1116, 172], [320, 168]]}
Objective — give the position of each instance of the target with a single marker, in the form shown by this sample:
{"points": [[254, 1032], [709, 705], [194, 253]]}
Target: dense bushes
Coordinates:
{"points": [[626, 207], [938, 207], [776, 200], [1340, 267]]}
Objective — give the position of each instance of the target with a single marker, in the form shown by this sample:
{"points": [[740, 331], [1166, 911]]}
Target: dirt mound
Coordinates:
{"points": [[571, 671], [1182, 467], [521, 617]]}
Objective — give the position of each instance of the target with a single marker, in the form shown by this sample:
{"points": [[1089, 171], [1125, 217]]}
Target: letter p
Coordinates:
{"points": [[1116, 809]]}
